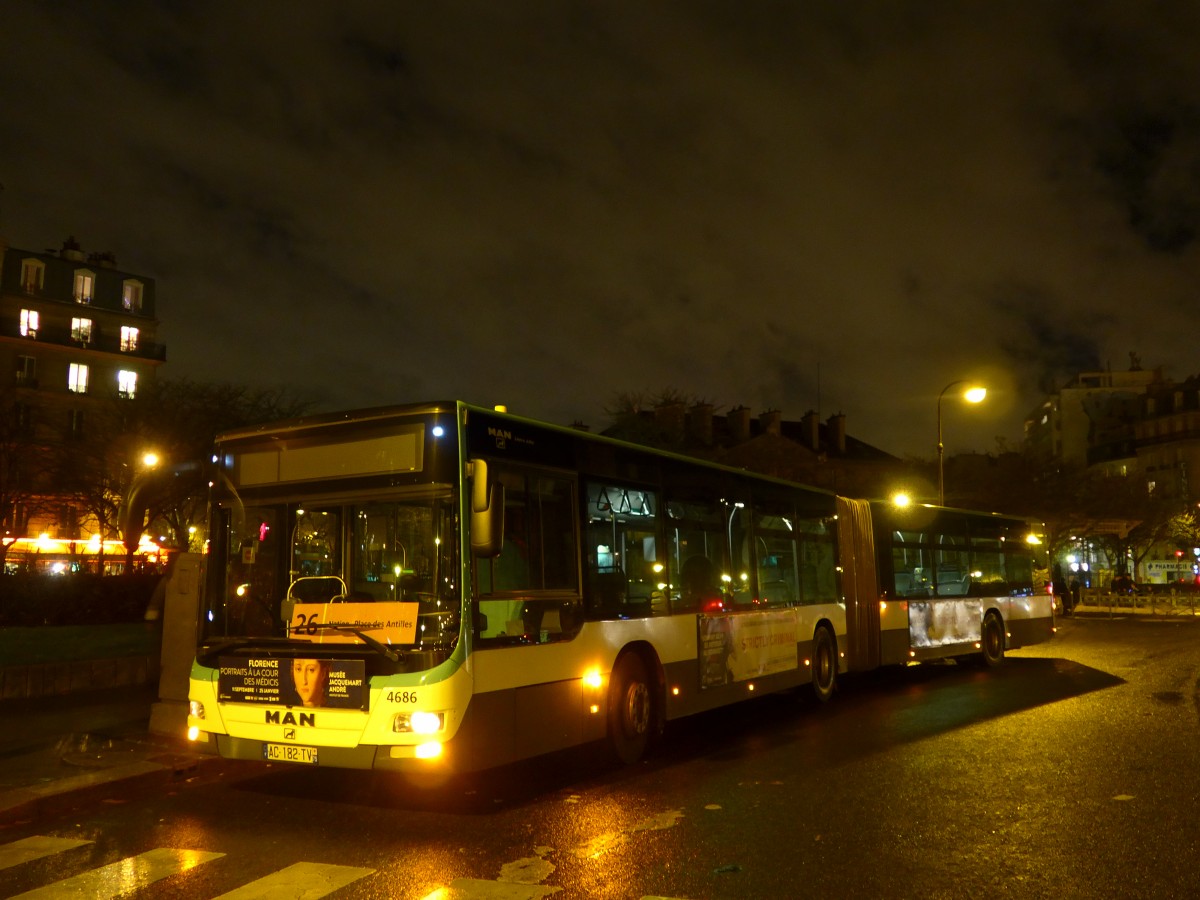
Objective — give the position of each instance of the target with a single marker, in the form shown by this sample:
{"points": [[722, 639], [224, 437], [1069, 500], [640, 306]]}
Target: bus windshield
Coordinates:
{"points": [[286, 569]]}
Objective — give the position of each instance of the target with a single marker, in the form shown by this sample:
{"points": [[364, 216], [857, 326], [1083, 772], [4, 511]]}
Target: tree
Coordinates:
{"points": [[634, 416], [178, 420], [181, 418], [1117, 514], [20, 475]]}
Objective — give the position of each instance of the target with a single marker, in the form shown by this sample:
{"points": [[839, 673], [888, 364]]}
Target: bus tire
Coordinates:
{"points": [[991, 640], [824, 664], [631, 713]]}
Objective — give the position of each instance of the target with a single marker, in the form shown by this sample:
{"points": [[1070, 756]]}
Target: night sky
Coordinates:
{"points": [[796, 205]]}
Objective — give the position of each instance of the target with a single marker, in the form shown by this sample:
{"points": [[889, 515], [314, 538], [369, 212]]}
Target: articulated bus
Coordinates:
{"points": [[445, 588]]}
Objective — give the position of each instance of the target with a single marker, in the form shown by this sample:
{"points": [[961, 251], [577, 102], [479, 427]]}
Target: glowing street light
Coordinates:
{"points": [[133, 513], [974, 394]]}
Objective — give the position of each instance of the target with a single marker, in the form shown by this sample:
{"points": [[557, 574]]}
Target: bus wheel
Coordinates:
{"points": [[824, 664], [992, 640], [630, 709]]}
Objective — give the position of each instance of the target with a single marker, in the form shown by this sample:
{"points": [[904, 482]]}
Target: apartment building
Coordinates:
{"points": [[1167, 439], [1092, 408], [77, 332]]}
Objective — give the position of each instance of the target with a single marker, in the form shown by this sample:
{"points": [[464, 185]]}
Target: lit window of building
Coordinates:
{"points": [[131, 296], [85, 283], [29, 323], [77, 378], [129, 338], [81, 330], [127, 384]]}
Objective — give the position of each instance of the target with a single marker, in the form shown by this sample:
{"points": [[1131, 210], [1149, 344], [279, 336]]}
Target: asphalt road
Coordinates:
{"points": [[1070, 771]]}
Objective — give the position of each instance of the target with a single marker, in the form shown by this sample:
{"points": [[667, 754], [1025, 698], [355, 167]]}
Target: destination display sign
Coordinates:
{"points": [[389, 622]]}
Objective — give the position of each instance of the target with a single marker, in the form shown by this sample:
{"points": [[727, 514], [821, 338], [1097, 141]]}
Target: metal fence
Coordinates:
{"points": [[1167, 604]]}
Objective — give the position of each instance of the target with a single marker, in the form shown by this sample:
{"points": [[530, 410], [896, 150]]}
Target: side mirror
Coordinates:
{"points": [[487, 512]]}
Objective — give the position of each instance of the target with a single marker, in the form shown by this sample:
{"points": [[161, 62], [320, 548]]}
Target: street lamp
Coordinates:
{"points": [[133, 514], [971, 395]]}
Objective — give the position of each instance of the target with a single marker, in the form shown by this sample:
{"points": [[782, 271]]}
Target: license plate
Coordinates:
{"points": [[290, 753]]}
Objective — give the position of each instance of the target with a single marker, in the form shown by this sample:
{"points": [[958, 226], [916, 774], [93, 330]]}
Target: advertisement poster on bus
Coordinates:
{"points": [[329, 683], [742, 646]]}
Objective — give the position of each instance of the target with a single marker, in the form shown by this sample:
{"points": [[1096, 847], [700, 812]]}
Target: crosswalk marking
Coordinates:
{"points": [[35, 847], [301, 881], [478, 889], [122, 877]]}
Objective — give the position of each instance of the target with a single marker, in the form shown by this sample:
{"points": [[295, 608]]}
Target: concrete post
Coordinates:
{"points": [[181, 610]]}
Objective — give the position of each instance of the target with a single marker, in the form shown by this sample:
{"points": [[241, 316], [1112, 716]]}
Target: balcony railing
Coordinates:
{"points": [[99, 343]]}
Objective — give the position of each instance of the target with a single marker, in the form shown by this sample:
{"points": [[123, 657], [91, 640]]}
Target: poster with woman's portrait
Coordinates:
{"points": [[331, 683]]}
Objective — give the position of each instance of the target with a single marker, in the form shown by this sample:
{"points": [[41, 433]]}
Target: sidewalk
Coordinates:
{"points": [[55, 745], [82, 707]]}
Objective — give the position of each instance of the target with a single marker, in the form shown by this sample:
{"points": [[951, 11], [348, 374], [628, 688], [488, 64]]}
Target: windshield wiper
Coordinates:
{"points": [[378, 646], [231, 643]]}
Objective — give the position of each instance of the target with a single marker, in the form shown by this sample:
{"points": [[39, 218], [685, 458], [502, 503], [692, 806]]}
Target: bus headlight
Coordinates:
{"points": [[196, 709], [419, 722]]}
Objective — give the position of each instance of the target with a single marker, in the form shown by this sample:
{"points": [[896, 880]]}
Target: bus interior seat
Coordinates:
{"points": [[773, 593], [775, 588], [952, 582], [608, 592], [958, 587], [552, 621], [697, 582]]}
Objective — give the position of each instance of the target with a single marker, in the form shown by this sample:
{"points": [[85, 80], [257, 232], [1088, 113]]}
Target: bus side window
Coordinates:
{"points": [[699, 555], [501, 618], [624, 571], [511, 568], [529, 593], [776, 551]]}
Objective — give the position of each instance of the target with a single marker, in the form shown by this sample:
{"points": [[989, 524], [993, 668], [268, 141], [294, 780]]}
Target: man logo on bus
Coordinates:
{"points": [[502, 437], [274, 717]]}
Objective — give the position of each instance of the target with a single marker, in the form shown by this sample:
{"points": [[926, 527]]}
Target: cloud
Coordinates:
{"points": [[784, 205]]}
